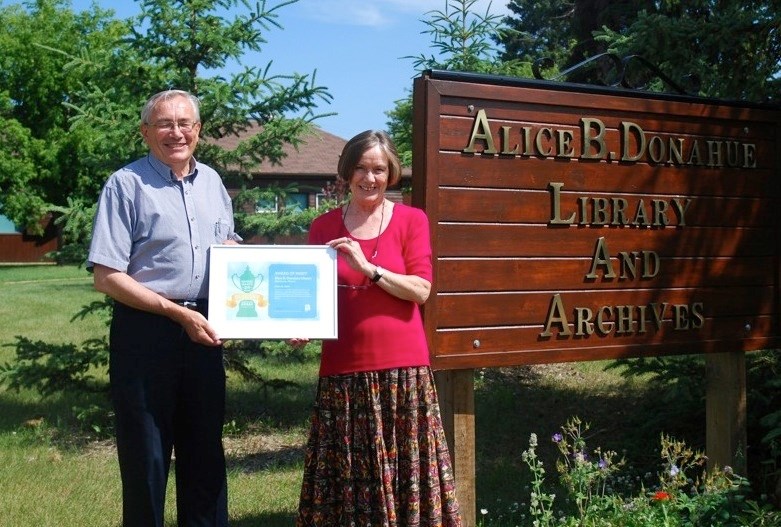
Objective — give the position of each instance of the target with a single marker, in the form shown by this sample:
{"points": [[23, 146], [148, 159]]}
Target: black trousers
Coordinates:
{"points": [[168, 395]]}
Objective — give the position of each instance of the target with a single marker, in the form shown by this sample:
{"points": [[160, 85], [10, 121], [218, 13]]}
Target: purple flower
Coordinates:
{"points": [[602, 464], [557, 437], [674, 470]]}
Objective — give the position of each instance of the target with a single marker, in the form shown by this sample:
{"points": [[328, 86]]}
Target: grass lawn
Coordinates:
{"points": [[53, 473]]}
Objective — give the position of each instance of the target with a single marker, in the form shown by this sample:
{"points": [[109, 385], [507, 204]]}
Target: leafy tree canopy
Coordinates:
{"points": [[715, 49], [732, 51], [77, 81], [36, 154]]}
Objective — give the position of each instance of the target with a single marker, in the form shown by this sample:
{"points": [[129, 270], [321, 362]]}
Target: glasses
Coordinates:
{"points": [[168, 126]]}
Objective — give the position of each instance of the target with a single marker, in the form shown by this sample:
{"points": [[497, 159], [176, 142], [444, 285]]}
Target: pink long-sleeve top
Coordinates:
{"points": [[377, 331]]}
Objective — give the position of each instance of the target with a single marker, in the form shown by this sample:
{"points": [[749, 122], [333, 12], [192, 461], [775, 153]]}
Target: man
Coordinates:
{"points": [[155, 221]]}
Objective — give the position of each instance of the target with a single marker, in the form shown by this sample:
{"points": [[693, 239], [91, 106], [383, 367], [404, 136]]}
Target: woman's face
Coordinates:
{"points": [[370, 176]]}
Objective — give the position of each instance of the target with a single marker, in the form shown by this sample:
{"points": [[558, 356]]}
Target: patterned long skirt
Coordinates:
{"points": [[376, 455]]}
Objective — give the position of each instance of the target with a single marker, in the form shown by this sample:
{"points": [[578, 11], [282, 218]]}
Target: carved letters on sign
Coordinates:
{"points": [[586, 223], [635, 144], [616, 212]]}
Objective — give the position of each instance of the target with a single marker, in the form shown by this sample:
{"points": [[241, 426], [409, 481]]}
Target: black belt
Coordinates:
{"points": [[196, 305]]}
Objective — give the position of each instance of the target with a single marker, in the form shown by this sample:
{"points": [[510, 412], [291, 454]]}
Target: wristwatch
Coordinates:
{"points": [[378, 272]]}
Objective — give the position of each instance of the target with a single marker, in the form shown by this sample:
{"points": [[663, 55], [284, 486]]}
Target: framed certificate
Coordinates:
{"points": [[273, 291]]}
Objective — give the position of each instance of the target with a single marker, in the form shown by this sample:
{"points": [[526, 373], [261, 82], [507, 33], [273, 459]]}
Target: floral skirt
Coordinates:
{"points": [[376, 455]]}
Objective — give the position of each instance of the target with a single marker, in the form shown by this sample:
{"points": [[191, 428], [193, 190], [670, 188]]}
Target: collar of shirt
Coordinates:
{"points": [[165, 171]]}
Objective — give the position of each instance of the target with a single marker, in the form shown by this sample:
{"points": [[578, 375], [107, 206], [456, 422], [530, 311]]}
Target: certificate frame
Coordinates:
{"points": [[273, 291]]}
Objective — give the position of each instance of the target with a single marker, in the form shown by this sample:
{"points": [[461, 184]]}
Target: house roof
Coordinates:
{"points": [[316, 156]]}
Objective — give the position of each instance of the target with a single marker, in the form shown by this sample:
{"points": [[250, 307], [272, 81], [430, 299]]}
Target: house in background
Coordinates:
{"points": [[310, 169], [20, 247]]}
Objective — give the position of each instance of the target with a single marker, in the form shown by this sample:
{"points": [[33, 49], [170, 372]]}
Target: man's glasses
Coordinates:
{"points": [[168, 126]]}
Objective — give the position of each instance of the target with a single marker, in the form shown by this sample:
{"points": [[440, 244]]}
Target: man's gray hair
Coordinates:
{"points": [[149, 107]]}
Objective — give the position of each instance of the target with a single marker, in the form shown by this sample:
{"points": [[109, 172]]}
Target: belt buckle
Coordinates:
{"points": [[189, 304]]}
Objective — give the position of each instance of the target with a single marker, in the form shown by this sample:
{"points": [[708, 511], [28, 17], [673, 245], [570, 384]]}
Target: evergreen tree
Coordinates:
{"points": [[192, 43], [561, 32], [464, 41], [542, 30], [733, 50], [727, 49], [94, 73]]}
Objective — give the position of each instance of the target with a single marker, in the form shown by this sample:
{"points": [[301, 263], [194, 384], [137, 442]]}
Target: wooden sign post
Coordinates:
{"points": [[457, 404], [574, 223]]}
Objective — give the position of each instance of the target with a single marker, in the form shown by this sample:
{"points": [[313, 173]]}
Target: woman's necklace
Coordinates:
{"points": [[379, 230]]}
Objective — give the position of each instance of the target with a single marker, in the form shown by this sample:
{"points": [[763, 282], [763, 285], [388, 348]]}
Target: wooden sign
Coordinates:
{"points": [[574, 223]]}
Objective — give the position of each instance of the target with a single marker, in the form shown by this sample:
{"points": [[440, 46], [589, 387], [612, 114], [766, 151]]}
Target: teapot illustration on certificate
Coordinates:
{"points": [[246, 299]]}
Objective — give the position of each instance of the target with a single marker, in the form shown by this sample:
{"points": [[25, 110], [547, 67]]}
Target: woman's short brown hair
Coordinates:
{"points": [[355, 148]]}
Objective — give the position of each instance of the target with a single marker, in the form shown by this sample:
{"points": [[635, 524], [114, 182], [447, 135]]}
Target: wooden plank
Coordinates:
{"points": [[549, 93], [498, 240], [513, 338], [607, 352], [457, 97], [534, 274], [535, 174], [725, 437], [651, 207], [514, 345], [529, 308], [543, 138]]}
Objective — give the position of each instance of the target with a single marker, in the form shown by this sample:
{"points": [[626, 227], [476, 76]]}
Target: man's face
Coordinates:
{"points": [[165, 137]]}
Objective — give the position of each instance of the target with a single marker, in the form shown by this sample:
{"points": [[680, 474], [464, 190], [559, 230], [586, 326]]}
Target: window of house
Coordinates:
{"points": [[267, 205], [297, 202], [294, 202], [320, 199]]}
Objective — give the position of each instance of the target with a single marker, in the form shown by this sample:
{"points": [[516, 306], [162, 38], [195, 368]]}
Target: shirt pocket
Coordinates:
{"points": [[222, 230]]}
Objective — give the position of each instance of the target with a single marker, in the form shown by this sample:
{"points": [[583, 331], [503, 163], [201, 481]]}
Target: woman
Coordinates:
{"points": [[376, 454]]}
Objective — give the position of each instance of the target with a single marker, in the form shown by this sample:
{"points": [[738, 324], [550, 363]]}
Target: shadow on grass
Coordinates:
{"points": [[266, 520], [278, 457], [16, 412], [286, 407], [21, 410]]}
